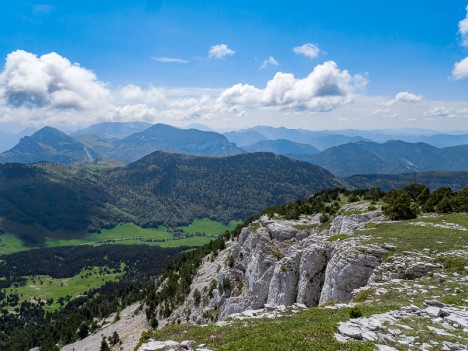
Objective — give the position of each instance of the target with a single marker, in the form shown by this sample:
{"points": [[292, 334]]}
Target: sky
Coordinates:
{"points": [[230, 65]]}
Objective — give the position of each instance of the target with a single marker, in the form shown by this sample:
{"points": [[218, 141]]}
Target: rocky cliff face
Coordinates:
{"points": [[277, 262]]}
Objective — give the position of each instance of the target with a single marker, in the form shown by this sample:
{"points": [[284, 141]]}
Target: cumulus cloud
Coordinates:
{"points": [[50, 80], [463, 29], [269, 61], [325, 88], [309, 50], [48, 89], [404, 97], [220, 51], [460, 69], [170, 60]]}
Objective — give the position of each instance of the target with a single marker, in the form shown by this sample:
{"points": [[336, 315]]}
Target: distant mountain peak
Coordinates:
{"points": [[49, 144], [116, 130], [169, 138]]}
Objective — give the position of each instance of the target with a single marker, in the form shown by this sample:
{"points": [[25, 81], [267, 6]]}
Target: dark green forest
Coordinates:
{"points": [[26, 324]]}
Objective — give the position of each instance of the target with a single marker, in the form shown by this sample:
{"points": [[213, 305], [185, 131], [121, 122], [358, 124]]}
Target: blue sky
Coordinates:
{"points": [[394, 46]]}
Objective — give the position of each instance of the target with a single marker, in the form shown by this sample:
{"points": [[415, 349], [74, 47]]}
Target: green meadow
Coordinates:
{"points": [[198, 233], [45, 287], [439, 235]]}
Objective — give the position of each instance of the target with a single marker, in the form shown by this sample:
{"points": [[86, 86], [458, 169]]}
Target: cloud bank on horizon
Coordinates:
{"points": [[50, 89], [36, 90]]}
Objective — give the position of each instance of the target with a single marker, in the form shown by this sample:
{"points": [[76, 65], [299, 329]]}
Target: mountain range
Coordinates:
{"points": [[169, 138], [328, 138], [319, 140], [8, 140], [281, 147], [391, 157], [114, 143], [113, 130]]}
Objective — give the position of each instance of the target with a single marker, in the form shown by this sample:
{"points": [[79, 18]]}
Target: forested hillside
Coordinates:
{"points": [[46, 200], [170, 189]]}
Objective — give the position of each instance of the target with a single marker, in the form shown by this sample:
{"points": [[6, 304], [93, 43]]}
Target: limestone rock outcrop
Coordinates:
{"points": [[346, 271], [312, 269], [285, 262]]}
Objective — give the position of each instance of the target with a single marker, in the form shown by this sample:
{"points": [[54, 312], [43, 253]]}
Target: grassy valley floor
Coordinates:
{"points": [[198, 233]]}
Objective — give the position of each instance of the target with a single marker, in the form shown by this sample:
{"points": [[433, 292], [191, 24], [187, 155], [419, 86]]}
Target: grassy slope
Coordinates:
{"points": [[209, 227], [308, 330], [9, 243], [408, 236], [313, 329]]}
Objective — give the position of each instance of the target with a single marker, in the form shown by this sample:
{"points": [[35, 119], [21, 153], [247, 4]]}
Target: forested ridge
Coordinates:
{"points": [[169, 189], [160, 189]]}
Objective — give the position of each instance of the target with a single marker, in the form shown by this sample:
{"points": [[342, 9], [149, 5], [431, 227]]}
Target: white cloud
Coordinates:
{"points": [[169, 60], [50, 80], [309, 50], [220, 51], [381, 111], [440, 111], [49, 90], [463, 29], [404, 97], [460, 69], [325, 88], [132, 93], [269, 61]]}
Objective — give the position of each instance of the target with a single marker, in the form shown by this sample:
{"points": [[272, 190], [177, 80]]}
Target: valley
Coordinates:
{"points": [[234, 176], [198, 233]]}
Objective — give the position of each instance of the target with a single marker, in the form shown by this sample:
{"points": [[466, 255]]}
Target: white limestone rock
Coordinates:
{"points": [[283, 285], [349, 224], [346, 271], [312, 274], [281, 231], [259, 271]]}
